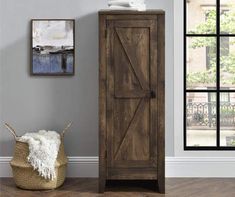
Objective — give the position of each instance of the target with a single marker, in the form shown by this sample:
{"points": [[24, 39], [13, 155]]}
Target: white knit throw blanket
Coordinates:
{"points": [[127, 5], [43, 151]]}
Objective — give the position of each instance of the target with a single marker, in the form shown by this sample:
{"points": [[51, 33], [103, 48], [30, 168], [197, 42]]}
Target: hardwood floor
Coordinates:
{"points": [[82, 187]]}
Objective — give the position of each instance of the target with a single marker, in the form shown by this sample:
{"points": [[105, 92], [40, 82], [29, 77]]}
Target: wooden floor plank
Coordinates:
{"points": [[84, 187]]}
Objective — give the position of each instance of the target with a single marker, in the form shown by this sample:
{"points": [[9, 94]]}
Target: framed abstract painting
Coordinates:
{"points": [[52, 47]]}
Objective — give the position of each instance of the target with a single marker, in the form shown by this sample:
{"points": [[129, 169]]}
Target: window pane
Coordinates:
{"points": [[201, 63], [227, 62], [201, 16], [201, 119], [227, 16], [227, 120]]}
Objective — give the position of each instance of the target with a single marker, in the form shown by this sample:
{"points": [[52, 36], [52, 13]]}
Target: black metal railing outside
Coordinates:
{"points": [[203, 114]]}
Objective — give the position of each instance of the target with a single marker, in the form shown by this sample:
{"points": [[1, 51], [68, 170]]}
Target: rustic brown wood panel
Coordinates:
{"points": [[161, 101], [128, 72], [102, 103], [131, 17], [134, 143], [132, 136], [132, 174], [110, 92]]}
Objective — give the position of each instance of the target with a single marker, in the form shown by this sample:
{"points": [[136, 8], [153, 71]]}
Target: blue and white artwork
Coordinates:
{"points": [[52, 47]]}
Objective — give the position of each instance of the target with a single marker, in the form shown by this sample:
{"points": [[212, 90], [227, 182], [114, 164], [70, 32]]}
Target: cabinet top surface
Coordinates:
{"points": [[109, 11]]}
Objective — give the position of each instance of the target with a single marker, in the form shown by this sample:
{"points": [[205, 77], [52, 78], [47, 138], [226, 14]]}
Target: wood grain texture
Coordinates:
{"points": [[82, 187], [128, 71], [131, 17], [102, 104], [161, 101], [133, 61]]}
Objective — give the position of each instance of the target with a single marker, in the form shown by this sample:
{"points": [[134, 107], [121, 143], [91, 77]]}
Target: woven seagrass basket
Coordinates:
{"points": [[25, 176]]}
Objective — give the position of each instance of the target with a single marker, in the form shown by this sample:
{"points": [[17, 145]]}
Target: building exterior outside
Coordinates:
{"points": [[201, 74]]}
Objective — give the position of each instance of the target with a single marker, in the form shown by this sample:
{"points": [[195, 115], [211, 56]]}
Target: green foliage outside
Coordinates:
{"points": [[227, 112], [227, 60]]}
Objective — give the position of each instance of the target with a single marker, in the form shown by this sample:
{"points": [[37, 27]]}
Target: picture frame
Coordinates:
{"points": [[52, 47]]}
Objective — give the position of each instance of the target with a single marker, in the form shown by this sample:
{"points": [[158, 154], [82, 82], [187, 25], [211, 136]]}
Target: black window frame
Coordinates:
{"points": [[218, 36]]}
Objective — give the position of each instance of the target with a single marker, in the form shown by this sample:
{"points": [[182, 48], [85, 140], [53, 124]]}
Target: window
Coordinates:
{"points": [[209, 74]]}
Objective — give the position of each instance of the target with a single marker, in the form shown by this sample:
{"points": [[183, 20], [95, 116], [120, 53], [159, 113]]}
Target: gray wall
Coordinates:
{"points": [[32, 103]]}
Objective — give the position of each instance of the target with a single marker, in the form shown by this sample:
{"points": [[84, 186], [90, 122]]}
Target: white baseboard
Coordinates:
{"points": [[83, 167], [77, 167], [175, 167], [200, 167], [5, 169]]}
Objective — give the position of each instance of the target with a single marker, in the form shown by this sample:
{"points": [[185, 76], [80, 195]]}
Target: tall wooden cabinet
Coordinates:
{"points": [[131, 96]]}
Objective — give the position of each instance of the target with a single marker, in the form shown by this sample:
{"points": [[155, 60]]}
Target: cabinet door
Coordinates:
{"points": [[131, 93]]}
